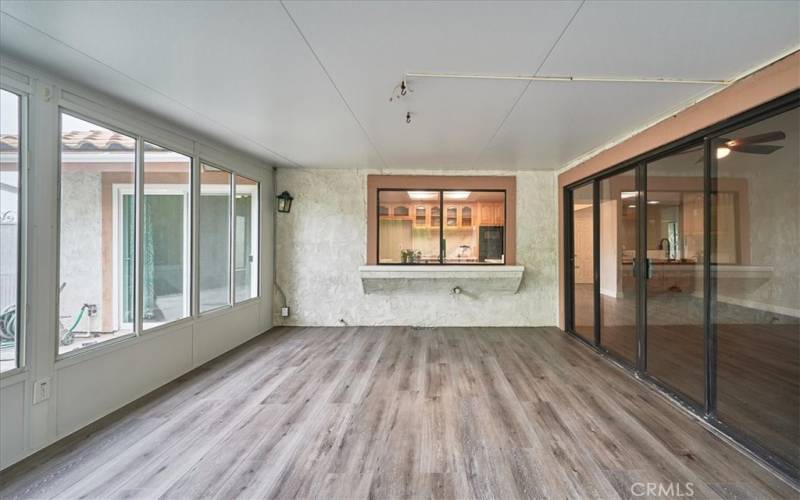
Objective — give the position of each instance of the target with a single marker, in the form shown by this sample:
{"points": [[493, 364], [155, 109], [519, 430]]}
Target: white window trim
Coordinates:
{"points": [[120, 190], [22, 343], [253, 190], [225, 190]]}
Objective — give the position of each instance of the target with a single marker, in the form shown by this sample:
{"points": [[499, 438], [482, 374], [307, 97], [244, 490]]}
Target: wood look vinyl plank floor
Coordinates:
{"points": [[395, 412]]}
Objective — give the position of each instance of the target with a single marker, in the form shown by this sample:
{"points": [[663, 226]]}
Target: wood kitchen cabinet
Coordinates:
{"points": [[466, 216], [491, 214], [395, 211], [456, 215], [452, 215]]}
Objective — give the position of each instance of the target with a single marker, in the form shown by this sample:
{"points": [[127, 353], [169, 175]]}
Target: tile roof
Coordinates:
{"points": [[9, 142], [92, 140]]}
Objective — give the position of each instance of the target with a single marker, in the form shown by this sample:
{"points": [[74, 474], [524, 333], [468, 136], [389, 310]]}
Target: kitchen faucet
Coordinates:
{"points": [[667, 248]]}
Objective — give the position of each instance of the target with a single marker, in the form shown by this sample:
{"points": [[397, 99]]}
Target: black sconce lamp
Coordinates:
{"points": [[284, 202]]}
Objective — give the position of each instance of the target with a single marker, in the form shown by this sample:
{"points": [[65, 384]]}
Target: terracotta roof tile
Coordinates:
{"points": [[92, 140]]}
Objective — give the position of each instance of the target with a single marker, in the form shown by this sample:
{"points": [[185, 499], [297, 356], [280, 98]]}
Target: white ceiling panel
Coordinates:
{"points": [[18, 39], [308, 83], [554, 123], [683, 39], [240, 63], [369, 46]]}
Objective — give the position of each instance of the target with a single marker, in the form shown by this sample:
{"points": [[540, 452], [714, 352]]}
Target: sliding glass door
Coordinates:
{"points": [[618, 220], [674, 278], [695, 274], [755, 271], [583, 261]]}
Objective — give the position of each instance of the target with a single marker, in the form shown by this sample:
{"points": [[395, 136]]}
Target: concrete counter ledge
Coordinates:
{"points": [[471, 279]]}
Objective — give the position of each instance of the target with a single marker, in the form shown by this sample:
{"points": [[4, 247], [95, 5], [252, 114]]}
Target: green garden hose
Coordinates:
{"points": [[8, 324], [77, 320]]}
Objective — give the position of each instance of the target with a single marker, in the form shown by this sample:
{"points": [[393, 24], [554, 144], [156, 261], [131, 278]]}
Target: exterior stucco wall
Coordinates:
{"points": [[322, 242], [81, 247]]}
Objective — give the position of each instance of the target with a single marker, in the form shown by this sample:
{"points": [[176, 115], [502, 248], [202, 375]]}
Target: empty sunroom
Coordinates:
{"points": [[306, 249]]}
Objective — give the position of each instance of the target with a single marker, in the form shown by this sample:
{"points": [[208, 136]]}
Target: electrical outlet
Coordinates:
{"points": [[41, 390], [285, 312]]}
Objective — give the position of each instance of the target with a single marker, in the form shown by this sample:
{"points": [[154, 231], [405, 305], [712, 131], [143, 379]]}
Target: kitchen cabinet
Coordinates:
{"points": [[456, 215], [420, 216], [401, 211], [395, 211], [436, 216], [466, 216], [452, 215], [491, 214]]}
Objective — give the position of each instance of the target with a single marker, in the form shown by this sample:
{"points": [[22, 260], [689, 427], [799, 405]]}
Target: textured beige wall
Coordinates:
{"points": [[322, 242]]}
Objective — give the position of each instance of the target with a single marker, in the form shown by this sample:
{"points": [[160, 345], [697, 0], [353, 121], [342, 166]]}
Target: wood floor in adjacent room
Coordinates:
{"points": [[395, 412]]}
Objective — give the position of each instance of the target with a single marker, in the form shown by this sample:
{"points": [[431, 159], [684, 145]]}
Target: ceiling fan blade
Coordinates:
{"points": [[759, 149], [776, 135]]}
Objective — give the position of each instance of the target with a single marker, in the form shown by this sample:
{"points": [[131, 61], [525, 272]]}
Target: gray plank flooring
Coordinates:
{"points": [[396, 412]]}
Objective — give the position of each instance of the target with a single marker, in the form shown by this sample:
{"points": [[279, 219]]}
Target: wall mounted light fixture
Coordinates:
{"points": [[284, 202]]}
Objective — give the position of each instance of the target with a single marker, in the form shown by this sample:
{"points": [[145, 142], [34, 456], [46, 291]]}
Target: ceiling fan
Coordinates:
{"points": [[754, 144]]}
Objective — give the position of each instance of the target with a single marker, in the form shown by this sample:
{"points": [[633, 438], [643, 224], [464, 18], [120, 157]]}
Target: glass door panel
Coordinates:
{"points": [[674, 236], [583, 261], [618, 220], [755, 271]]}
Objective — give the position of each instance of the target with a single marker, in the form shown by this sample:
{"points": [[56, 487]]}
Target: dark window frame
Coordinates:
{"points": [[442, 222]]}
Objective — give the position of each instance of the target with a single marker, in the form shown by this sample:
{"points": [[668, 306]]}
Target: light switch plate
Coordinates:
{"points": [[285, 312], [41, 390]]}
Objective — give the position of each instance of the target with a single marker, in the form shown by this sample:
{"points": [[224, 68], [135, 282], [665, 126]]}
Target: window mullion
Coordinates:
{"points": [[194, 236], [442, 219], [139, 233], [231, 240]]}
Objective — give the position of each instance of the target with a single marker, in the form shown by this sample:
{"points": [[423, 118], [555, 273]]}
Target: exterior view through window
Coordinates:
{"points": [[166, 235], [97, 235], [10, 210], [441, 227], [98, 244], [215, 233], [245, 257]]}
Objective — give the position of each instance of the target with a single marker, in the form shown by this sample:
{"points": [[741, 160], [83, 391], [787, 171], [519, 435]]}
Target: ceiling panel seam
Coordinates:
{"points": [[152, 89], [333, 83], [527, 85]]}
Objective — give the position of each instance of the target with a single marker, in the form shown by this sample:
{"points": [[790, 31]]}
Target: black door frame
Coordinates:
{"points": [[707, 138]]}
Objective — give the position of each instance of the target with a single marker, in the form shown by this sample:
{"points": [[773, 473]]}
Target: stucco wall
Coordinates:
{"points": [[81, 246], [322, 242]]}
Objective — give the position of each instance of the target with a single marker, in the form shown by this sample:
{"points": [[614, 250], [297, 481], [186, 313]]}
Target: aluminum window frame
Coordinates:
{"points": [[255, 239], [61, 110], [231, 219], [191, 223], [21, 347]]}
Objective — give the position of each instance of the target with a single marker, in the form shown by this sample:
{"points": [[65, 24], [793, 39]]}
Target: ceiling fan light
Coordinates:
{"points": [[722, 152]]}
